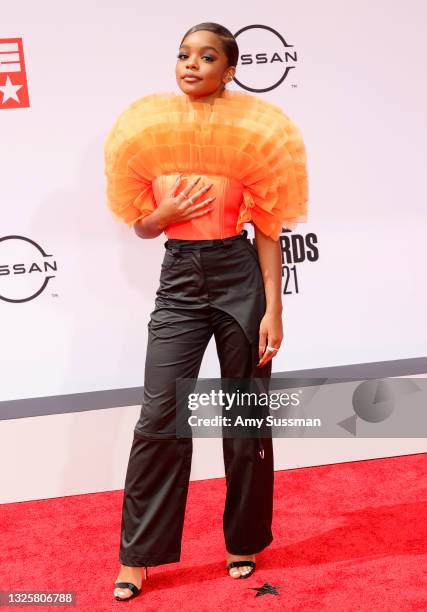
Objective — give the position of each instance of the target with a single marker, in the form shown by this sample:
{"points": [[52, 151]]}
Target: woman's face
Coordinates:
{"points": [[201, 55]]}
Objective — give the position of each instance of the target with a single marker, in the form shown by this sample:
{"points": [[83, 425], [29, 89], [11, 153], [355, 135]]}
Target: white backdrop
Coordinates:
{"points": [[356, 88]]}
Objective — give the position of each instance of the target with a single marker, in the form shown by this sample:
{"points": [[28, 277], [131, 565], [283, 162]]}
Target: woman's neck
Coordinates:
{"points": [[210, 99]]}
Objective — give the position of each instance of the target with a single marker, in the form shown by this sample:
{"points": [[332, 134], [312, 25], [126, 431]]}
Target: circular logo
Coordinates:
{"points": [[25, 269], [265, 58]]}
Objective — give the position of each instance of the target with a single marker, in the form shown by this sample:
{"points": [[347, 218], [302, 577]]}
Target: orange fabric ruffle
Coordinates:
{"points": [[240, 136]]}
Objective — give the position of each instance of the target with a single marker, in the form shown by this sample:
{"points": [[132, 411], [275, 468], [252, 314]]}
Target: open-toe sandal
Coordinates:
{"points": [[242, 563], [131, 586]]}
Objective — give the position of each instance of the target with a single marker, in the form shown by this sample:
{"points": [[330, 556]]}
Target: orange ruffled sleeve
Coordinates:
{"points": [[275, 183], [129, 191]]}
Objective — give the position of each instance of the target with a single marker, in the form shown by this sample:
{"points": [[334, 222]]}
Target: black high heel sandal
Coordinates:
{"points": [[131, 586], [242, 563]]}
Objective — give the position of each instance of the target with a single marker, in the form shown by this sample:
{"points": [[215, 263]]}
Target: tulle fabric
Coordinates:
{"points": [[240, 136]]}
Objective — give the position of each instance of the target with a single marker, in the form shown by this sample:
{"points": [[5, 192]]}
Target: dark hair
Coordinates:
{"points": [[228, 41]]}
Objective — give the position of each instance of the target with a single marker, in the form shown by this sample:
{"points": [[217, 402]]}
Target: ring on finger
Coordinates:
{"points": [[271, 349]]}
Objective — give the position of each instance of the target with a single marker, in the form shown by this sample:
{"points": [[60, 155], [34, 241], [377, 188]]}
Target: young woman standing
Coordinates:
{"points": [[197, 167]]}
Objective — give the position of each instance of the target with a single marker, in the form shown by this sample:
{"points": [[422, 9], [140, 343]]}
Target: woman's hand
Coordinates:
{"points": [[271, 334], [181, 207], [270, 329], [174, 208]]}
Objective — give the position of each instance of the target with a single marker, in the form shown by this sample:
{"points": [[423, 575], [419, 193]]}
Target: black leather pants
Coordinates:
{"points": [[206, 287]]}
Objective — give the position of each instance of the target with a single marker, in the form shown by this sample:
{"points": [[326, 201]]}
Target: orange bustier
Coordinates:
{"points": [[247, 147], [220, 222]]}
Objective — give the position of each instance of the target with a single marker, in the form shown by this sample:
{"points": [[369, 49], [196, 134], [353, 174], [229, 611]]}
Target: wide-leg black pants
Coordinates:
{"points": [[206, 287]]}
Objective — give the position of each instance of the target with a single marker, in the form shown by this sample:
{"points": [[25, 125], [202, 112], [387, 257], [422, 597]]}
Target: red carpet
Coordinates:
{"points": [[348, 537]]}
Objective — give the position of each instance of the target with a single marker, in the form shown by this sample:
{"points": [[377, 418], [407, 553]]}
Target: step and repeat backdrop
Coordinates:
{"points": [[77, 285]]}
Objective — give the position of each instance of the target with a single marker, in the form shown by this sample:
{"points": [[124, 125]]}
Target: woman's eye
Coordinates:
{"points": [[181, 55]]}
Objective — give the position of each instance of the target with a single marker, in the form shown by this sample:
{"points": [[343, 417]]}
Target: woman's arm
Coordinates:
{"points": [[271, 329], [151, 225]]}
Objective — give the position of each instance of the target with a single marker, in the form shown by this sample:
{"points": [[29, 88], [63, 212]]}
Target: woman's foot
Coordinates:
{"points": [[128, 574], [236, 571]]}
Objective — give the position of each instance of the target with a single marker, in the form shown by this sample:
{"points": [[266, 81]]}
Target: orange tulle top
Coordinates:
{"points": [[247, 147]]}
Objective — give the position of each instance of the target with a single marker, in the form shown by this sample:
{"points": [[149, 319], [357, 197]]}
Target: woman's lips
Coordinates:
{"points": [[192, 79]]}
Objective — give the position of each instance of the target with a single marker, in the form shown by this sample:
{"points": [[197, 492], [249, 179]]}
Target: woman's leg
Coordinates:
{"points": [[249, 465], [159, 467]]}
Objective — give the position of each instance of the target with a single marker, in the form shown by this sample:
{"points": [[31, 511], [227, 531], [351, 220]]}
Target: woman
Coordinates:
{"points": [[197, 167]]}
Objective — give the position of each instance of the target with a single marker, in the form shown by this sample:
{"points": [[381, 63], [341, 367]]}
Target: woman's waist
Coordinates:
{"points": [[175, 244]]}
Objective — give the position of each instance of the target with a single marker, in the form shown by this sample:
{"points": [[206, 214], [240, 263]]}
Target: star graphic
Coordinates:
{"points": [[266, 588], [9, 90]]}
